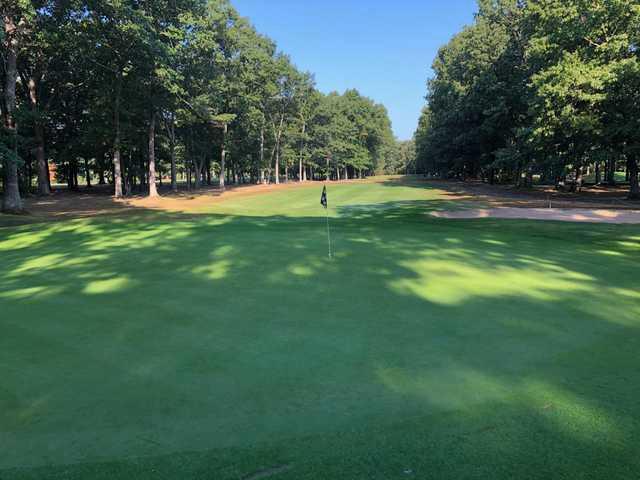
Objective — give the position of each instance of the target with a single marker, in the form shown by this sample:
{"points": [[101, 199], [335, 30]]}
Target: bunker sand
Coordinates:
{"points": [[559, 214]]}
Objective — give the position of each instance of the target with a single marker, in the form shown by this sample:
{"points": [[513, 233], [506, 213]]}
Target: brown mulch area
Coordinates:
{"points": [[539, 196], [98, 201]]}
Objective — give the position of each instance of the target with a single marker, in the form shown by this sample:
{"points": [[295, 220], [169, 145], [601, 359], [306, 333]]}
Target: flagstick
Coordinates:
{"points": [[328, 232]]}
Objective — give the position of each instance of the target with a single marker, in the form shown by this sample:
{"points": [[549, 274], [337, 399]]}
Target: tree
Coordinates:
{"points": [[349, 135], [281, 104], [542, 87], [308, 101], [37, 57], [15, 19], [402, 159], [121, 91]]}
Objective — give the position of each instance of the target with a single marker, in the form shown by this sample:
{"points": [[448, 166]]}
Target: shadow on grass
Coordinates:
{"points": [[186, 346]]}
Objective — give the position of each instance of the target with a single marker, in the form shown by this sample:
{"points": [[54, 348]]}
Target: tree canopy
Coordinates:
{"points": [[536, 87], [111, 91]]}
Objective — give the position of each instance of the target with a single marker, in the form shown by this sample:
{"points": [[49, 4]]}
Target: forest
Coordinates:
{"points": [[129, 93], [538, 90]]}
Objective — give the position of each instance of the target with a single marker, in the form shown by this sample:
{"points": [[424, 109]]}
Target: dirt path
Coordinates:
{"points": [[565, 215]]}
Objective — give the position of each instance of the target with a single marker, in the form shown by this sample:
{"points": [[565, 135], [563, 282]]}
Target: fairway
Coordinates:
{"points": [[222, 343]]}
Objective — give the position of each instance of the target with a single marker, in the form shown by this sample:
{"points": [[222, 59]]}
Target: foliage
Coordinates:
{"points": [[540, 86], [102, 70]]}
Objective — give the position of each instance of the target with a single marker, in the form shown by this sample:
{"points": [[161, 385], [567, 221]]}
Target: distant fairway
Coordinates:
{"points": [[223, 344]]}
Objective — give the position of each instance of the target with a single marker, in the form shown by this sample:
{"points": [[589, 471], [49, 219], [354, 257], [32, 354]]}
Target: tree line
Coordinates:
{"points": [[128, 92], [546, 89]]}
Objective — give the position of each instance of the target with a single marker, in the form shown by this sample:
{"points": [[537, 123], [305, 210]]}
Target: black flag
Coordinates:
{"points": [[323, 197]]}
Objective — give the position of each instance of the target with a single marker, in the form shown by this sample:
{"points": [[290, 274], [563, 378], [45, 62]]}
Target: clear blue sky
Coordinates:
{"points": [[383, 48]]}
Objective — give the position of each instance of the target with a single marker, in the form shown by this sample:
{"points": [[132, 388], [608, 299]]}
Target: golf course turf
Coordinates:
{"points": [[224, 344]]}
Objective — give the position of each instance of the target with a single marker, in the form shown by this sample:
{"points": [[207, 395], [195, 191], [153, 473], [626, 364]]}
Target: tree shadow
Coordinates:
{"points": [[212, 345]]}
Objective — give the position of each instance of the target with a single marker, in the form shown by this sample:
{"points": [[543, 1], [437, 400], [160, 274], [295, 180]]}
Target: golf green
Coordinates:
{"points": [[225, 344]]}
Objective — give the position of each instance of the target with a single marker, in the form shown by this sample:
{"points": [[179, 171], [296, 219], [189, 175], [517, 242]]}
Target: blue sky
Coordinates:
{"points": [[383, 48]]}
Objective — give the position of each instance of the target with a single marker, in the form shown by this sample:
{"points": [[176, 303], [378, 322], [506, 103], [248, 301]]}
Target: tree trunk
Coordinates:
{"points": [[611, 172], [328, 172], [301, 167], [76, 185], [87, 172], [170, 126], [579, 178], [174, 179], [27, 179], [197, 174], [153, 191], [277, 172], [100, 165], [128, 175], [44, 182], [11, 201], [261, 157], [38, 133], [277, 132], [598, 175], [518, 175], [72, 175], [634, 187], [223, 155], [117, 161]]}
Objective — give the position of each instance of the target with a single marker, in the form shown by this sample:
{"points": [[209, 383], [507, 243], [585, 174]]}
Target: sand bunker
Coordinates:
{"points": [[565, 215]]}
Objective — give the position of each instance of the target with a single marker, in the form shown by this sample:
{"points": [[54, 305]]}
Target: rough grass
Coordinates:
{"points": [[224, 345]]}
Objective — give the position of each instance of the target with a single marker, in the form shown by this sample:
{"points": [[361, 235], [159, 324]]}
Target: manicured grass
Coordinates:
{"points": [[222, 344]]}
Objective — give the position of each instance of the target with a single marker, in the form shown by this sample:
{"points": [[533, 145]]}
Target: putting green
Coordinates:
{"points": [[224, 344]]}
